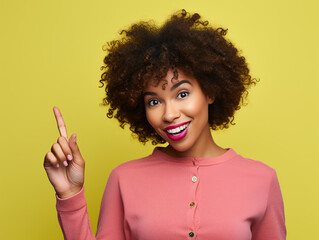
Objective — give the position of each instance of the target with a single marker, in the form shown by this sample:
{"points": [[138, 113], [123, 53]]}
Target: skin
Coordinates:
{"points": [[181, 101], [66, 175]]}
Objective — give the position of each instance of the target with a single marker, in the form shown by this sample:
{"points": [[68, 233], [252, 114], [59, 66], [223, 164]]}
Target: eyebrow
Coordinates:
{"points": [[179, 83], [172, 88]]}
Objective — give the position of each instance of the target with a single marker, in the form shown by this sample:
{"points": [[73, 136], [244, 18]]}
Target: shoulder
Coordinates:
{"points": [[252, 163], [254, 168], [133, 166]]}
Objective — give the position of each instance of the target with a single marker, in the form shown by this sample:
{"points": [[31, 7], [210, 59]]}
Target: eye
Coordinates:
{"points": [[182, 94], [152, 102]]}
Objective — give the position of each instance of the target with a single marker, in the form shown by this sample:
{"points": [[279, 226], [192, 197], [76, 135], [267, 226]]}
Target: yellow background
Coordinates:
{"points": [[51, 53]]}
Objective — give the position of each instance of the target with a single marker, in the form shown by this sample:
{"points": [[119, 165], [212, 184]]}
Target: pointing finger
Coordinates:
{"points": [[60, 122]]}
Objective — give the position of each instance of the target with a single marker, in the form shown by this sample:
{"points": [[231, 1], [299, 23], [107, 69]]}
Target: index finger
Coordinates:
{"points": [[60, 122]]}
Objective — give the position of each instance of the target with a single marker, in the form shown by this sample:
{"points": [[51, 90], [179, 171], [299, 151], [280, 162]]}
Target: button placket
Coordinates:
{"points": [[192, 204]]}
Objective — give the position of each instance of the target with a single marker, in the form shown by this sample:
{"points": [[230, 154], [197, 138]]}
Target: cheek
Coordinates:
{"points": [[198, 108], [151, 118]]}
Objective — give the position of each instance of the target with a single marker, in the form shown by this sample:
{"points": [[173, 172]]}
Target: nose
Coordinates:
{"points": [[171, 112]]}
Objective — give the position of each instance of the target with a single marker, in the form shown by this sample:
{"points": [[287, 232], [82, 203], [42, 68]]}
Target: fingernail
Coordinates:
{"points": [[57, 165], [75, 138], [69, 157], [65, 163]]}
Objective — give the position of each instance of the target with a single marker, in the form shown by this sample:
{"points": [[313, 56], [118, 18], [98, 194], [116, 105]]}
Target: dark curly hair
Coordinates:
{"points": [[184, 42]]}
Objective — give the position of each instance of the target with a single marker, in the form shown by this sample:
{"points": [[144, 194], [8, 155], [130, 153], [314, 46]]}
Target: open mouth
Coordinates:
{"points": [[177, 133], [178, 130]]}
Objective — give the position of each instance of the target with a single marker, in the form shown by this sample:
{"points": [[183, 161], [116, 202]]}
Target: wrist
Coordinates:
{"points": [[70, 193]]}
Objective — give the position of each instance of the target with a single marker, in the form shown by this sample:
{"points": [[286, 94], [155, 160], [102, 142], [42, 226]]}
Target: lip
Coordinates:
{"points": [[181, 135], [175, 126]]}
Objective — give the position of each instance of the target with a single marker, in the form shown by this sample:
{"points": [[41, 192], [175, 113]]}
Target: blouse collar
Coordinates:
{"points": [[194, 161]]}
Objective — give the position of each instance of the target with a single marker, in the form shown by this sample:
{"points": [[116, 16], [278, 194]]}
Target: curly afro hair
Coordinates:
{"points": [[184, 42]]}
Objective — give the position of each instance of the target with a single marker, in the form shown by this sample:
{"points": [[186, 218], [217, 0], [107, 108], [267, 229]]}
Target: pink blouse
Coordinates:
{"points": [[160, 197]]}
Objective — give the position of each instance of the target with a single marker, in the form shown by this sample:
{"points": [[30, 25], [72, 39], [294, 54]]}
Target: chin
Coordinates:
{"points": [[181, 147]]}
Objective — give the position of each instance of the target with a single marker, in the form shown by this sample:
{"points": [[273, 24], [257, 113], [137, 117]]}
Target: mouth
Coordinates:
{"points": [[177, 132]]}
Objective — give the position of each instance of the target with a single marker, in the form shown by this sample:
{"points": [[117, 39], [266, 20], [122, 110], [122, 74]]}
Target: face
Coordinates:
{"points": [[179, 112]]}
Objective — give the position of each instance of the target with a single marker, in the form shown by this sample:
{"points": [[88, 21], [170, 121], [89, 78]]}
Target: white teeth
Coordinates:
{"points": [[178, 129]]}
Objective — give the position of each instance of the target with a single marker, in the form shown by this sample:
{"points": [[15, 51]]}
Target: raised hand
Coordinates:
{"points": [[64, 165]]}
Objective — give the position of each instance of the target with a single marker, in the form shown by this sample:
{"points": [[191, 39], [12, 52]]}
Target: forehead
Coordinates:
{"points": [[172, 78]]}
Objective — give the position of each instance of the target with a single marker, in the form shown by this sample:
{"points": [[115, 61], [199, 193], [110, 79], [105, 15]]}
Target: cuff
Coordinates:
{"points": [[72, 203]]}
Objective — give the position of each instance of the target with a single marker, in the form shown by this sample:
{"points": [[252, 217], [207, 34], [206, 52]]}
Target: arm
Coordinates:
{"points": [[64, 166], [74, 219], [271, 226]]}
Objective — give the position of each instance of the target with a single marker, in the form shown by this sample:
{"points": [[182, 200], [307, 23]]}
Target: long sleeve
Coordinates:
{"points": [[74, 218], [272, 224]]}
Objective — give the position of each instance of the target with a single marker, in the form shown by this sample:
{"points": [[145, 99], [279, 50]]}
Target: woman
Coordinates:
{"points": [[172, 84]]}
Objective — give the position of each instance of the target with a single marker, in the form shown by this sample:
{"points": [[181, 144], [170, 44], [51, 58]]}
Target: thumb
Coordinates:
{"points": [[77, 157]]}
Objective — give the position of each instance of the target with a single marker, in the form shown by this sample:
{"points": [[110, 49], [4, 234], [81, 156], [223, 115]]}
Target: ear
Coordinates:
{"points": [[210, 100]]}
